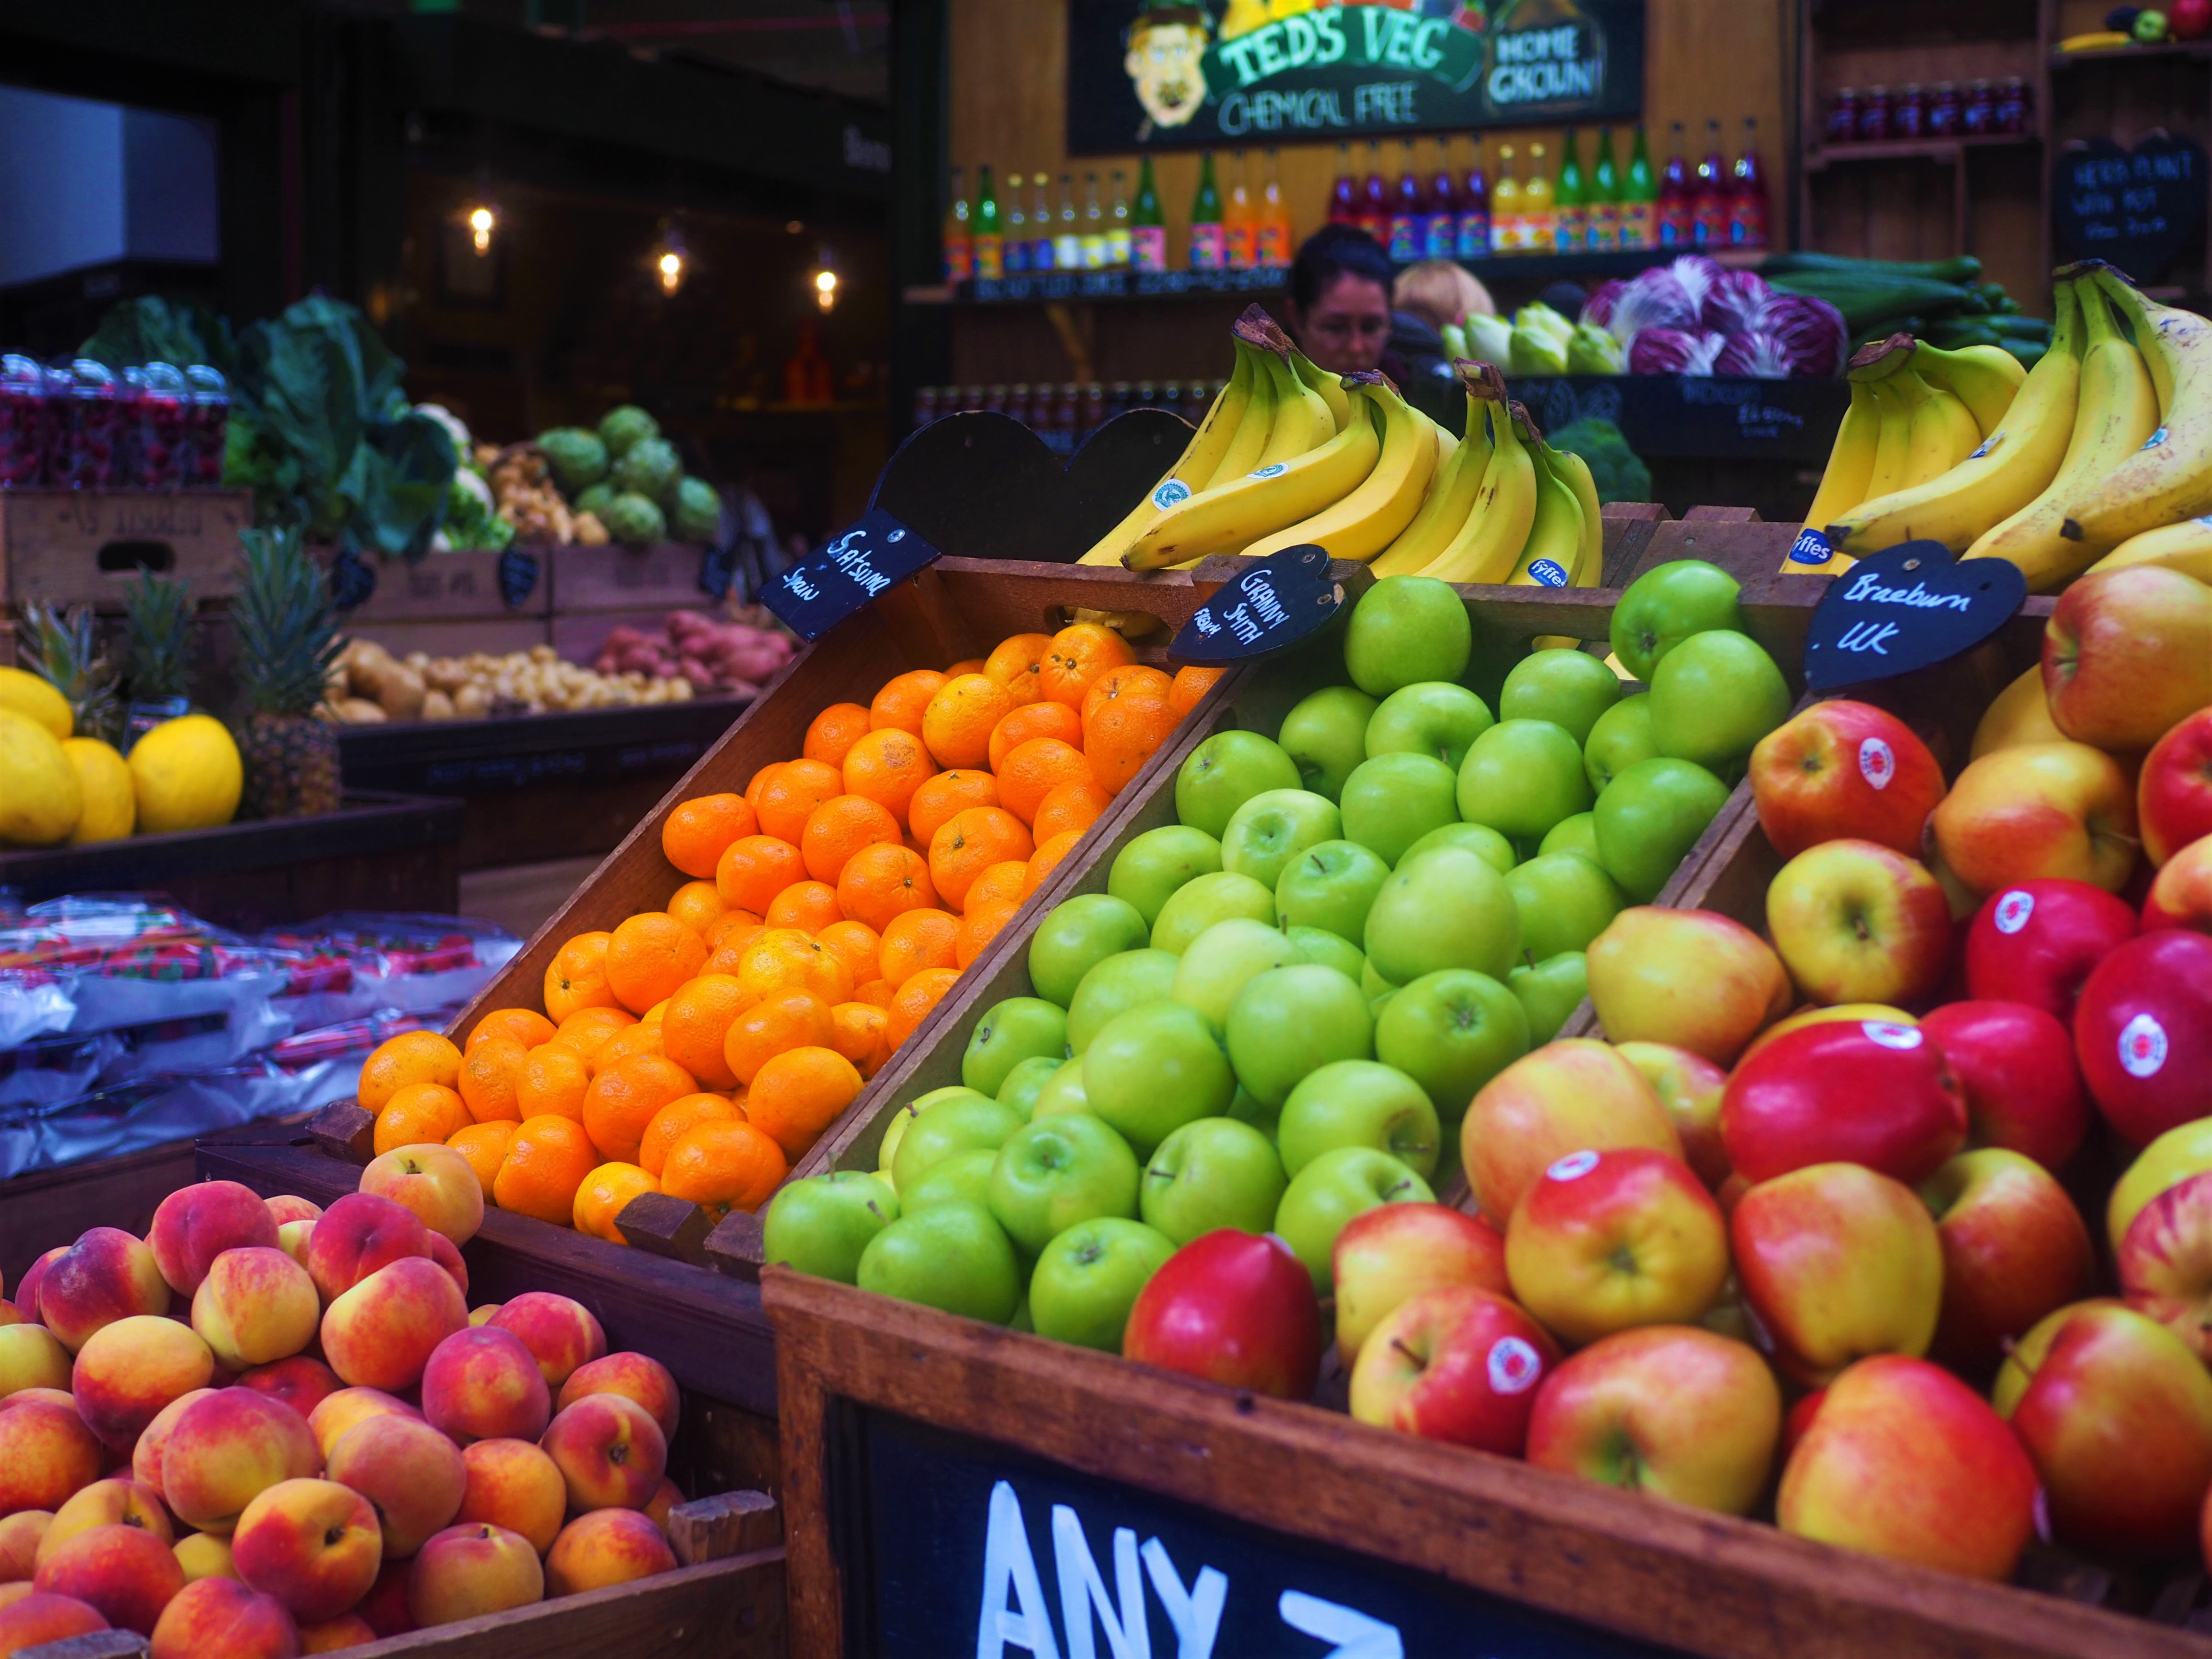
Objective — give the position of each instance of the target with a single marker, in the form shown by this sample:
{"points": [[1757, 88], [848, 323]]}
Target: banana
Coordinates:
{"points": [[1892, 439], [2118, 410], [1367, 521], [2186, 547], [1985, 377], [1942, 433], [1489, 545], [1452, 490], [1447, 445], [1850, 460], [1251, 435], [1574, 472], [1554, 548], [1330, 387], [2170, 477], [1303, 420], [1196, 465]]}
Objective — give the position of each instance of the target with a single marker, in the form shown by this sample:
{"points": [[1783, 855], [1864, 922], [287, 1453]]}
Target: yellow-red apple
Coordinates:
{"points": [[313, 1544], [358, 1235], [436, 1182], [634, 1377], [483, 1384], [473, 1569], [256, 1305], [1396, 1251], [1857, 921], [105, 1276], [1455, 1363], [2044, 811], [2127, 655], [380, 1333], [1567, 1096], [221, 1618], [513, 1484], [1861, 1091], [2173, 792], [1607, 1241], [2014, 1247], [2164, 1262], [606, 1547], [1689, 1086], [226, 1450], [197, 1224], [1843, 769], [558, 1330], [609, 1451], [2180, 1153], [127, 1573], [1695, 978], [2020, 714], [2181, 894], [411, 1471], [46, 1453], [2014, 1063]]}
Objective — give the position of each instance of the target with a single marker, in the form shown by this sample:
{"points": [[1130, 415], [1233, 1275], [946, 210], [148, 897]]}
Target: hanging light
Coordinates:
{"points": [[482, 220], [672, 260], [825, 281]]}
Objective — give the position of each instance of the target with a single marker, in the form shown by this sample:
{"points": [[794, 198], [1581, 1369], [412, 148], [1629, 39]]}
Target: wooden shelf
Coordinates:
{"points": [[2198, 49], [1950, 150]]}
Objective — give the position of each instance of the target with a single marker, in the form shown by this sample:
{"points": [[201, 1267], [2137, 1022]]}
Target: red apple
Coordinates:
{"points": [[1394, 1251], [2173, 793], [2014, 1064], [1458, 1364], [1689, 1086], [2143, 1033], [2042, 810], [2190, 20], [1855, 921], [2164, 1262], [1844, 770], [2036, 941], [2125, 655], [2181, 896], [1800, 1415], [1859, 1091], [1695, 978], [2014, 1247], [1607, 1241], [1234, 1307]]}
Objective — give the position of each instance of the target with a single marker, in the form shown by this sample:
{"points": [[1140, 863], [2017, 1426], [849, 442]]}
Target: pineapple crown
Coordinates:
{"points": [[63, 647], [287, 631], [159, 662]]}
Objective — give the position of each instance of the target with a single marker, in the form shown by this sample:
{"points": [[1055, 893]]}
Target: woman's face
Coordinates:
{"points": [[1344, 330]]}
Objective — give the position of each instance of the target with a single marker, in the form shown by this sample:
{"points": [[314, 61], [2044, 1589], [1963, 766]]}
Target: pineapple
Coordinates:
{"points": [[287, 640], [64, 648], [159, 664]]}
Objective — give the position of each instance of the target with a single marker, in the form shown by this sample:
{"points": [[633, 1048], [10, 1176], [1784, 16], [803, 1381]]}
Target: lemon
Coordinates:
{"points": [[26, 695], [186, 775], [40, 794], [111, 803]]}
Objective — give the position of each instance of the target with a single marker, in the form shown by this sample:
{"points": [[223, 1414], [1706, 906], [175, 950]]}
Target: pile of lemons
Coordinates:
{"points": [[57, 787]]}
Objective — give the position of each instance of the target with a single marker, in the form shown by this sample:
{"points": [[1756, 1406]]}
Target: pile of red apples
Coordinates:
{"points": [[265, 1430]]}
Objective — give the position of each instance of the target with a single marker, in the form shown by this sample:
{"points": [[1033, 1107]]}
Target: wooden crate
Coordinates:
{"points": [[617, 578], [46, 1207], [65, 546]]}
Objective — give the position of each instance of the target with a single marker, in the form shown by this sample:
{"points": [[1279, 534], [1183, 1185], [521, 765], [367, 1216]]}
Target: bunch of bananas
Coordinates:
{"points": [[2101, 455]]}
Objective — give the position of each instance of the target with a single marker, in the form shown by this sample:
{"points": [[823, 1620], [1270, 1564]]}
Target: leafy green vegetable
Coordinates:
{"points": [[152, 330], [1617, 472]]}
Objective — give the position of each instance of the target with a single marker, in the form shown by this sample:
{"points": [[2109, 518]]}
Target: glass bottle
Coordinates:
{"points": [[1540, 217], [1908, 112], [1409, 203], [1505, 205], [1117, 225], [1094, 411], [1843, 127], [1272, 251], [1942, 118], [1044, 246], [1014, 228], [1344, 195], [1238, 237], [1440, 228], [1708, 207], [1570, 200], [1207, 250], [1094, 226], [1148, 234], [1874, 115], [990, 265], [1068, 237], [959, 252], [2015, 105], [1375, 198], [1639, 198], [1978, 118], [1677, 214], [1747, 200], [1601, 205], [1475, 238]]}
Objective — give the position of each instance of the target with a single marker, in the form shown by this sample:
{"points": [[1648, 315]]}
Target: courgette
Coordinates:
{"points": [[1965, 269]]}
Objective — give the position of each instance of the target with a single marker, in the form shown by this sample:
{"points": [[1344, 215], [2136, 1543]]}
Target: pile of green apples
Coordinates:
{"points": [[1274, 1016]]}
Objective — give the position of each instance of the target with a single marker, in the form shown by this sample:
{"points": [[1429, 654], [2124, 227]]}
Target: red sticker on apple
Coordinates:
{"points": [[2013, 911], [1514, 1365], [1877, 764], [2143, 1046]]}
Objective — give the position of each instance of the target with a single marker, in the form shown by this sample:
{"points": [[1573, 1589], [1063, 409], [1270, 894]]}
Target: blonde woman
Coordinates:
{"points": [[1424, 299], [1438, 292]]}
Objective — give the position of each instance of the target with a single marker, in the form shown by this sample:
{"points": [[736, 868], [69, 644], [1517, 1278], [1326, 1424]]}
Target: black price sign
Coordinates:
{"points": [[1904, 608], [853, 570], [1278, 602], [2134, 208]]}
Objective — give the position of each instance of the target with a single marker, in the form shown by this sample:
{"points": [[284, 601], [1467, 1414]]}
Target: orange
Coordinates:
{"points": [[673, 1120], [798, 787], [834, 730], [758, 782], [577, 976], [603, 1194], [916, 940], [808, 906], [588, 1029], [944, 795], [699, 1017], [1045, 718], [484, 1145], [695, 834], [698, 905], [786, 959], [1047, 858], [642, 1038], [649, 955], [1120, 735], [1080, 653], [526, 1025], [1131, 680], [1017, 664], [979, 927], [857, 943], [489, 1073], [755, 869], [726, 925], [546, 1163], [411, 1057], [1069, 807], [623, 1099], [841, 827], [1001, 881], [732, 951], [799, 1094], [965, 665], [1033, 769], [885, 882], [957, 724], [861, 1033], [915, 998], [875, 993], [888, 766], [551, 1083], [1190, 685], [419, 1113], [903, 698], [788, 1019], [969, 843], [722, 1167]]}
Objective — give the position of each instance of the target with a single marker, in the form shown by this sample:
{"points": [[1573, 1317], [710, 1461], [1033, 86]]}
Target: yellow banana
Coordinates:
{"points": [[1985, 378], [1942, 433], [1447, 445], [2186, 547], [1554, 548], [1452, 491], [1195, 466], [1330, 387], [1367, 521], [1574, 472], [1892, 441], [1303, 420], [1489, 543], [2170, 477], [1850, 460]]}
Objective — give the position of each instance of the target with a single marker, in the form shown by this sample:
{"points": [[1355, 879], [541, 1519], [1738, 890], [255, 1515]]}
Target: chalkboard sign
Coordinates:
{"points": [[1904, 608], [853, 568], [960, 1549], [1278, 602], [2132, 208]]}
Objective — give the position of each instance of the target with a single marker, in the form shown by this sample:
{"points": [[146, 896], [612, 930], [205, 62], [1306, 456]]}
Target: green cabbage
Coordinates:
{"points": [[596, 499], [649, 468], [578, 458], [698, 516], [635, 520], [621, 428]]}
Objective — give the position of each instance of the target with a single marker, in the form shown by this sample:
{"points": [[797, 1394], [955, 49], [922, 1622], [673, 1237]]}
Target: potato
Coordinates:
{"points": [[359, 711], [400, 691], [437, 705], [471, 702]]}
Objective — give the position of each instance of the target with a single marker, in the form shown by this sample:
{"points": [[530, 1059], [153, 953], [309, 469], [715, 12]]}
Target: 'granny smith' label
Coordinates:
{"points": [[1277, 602]]}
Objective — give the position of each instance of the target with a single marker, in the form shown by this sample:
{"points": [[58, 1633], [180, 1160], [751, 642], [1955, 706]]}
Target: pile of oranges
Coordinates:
{"points": [[700, 1048]]}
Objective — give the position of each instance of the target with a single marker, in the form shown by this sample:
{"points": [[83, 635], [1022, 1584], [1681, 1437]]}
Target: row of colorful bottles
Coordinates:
{"points": [[1985, 109], [1066, 413]]}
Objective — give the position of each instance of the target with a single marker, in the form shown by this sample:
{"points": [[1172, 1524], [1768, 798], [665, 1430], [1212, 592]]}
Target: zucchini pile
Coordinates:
{"points": [[1942, 301]]}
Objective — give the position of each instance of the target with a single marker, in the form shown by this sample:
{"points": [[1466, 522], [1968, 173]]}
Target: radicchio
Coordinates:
{"points": [[1736, 303], [1811, 331], [1675, 351], [1655, 299], [1755, 353], [1697, 274]]}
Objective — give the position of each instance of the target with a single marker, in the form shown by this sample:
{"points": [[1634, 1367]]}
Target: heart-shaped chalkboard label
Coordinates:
{"points": [[1904, 608], [1277, 601], [2132, 208]]}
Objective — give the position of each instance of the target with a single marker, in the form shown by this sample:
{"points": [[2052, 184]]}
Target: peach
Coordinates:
{"points": [[379, 1334], [411, 1471], [195, 1225], [30, 1357], [290, 1206], [634, 1377], [483, 1384], [359, 1234], [295, 1238], [15, 1591], [203, 1555], [117, 1501], [346, 1630], [558, 1330], [336, 1413], [447, 1254], [61, 1397], [19, 1541], [126, 1573], [484, 1312], [225, 1450], [513, 1484], [610, 1451], [36, 1620], [221, 1618], [665, 1497], [27, 1287], [436, 1182], [46, 1453], [384, 1609], [128, 1371], [470, 1570], [254, 1305], [301, 1382], [146, 1455], [605, 1547], [10, 1313], [313, 1544], [105, 1276]]}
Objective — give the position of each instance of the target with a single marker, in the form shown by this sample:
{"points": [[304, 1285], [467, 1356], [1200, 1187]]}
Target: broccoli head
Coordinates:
{"points": [[1618, 473]]}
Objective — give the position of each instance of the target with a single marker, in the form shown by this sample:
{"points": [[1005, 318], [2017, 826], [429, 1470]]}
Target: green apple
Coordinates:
{"points": [[1330, 950], [1649, 818], [1522, 777], [1568, 688], [952, 1256], [1273, 828], [1156, 1068], [1026, 1081], [1331, 1189], [1243, 1109], [1088, 1278], [1666, 606], [1075, 937], [952, 1125], [1212, 972], [964, 1176], [1327, 735], [1058, 1171], [1575, 834], [821, 1224], [1447, 908], [1431, 717], [887, 1149], [1331, 885], [1202, 901], [1451, 1032], [1566, 900], [1392, 801], [1373, 986], [1147, 871], [1019, 1320], [1550, 990], [1062, 1091], [1359, 1102], [1621, 737], [1128, 979], [950, 1091], [1405, 629], [1217, 1172], [1015, 1029], [1225, 772], [1714, 696], [1479, 838], [1290, 1021]]}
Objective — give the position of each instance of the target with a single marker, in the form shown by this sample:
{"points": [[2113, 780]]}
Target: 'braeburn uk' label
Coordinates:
{"points": [[2143, 1046], [1514, 1365], [2013, 911], [1877, 765], [1890, 1035]]}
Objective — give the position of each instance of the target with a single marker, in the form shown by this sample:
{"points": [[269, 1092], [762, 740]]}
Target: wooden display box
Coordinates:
{"points": [[42, 1208], [68, 546]]}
